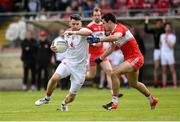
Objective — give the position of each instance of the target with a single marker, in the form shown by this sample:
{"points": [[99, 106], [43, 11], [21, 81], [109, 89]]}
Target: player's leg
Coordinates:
{"points": [[91, 73], [61, 72], [106, 66], [102, 79], [133, 81], [120, 69], [77, 80], [70, 96]]}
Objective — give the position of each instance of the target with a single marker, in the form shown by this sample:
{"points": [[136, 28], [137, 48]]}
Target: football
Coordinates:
{"points": [[60, 44]]}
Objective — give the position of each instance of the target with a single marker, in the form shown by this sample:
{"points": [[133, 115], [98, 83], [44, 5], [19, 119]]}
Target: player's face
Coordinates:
{"points": [[106, 26], [75, 24], [97, 16]]}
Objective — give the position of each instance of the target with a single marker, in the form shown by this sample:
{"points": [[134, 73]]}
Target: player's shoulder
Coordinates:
{"points": [[91, 24]]}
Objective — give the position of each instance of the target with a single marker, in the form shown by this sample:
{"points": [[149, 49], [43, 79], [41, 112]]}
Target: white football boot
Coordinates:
{"points": [[42, 101]]}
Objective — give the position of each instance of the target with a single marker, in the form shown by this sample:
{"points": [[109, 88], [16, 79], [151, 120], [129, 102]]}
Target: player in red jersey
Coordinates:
{"points": [[96, 50], [133, 59]]}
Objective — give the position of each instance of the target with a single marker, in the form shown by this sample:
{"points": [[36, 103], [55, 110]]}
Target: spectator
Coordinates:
{"points": [[120, 5], [33, 5], [88, 6], [134, 4], [147, 4], [105, 6], [167, 42], [156, 32], [28, 57], [43, 57], [162, 6], [68, 13]]}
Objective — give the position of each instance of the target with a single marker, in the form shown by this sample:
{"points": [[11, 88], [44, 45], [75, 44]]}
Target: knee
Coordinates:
{"points": [[54, 79], [90, 76]]}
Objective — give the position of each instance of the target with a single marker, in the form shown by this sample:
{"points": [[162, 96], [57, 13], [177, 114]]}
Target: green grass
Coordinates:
{"points": [[87, 106]]}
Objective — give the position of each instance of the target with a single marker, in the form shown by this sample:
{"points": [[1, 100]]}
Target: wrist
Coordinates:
{"points": [[75, 32], [100, 58]]}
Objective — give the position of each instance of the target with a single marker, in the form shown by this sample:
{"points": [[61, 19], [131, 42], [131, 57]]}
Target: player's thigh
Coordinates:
{"points": [[62, 71], [106, 66], [123, 68], [133, 77], [77, 80], [92, 71], [75, 87]]}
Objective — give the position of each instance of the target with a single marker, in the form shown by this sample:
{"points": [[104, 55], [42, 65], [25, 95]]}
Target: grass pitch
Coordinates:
{"points": [[87, 106]]}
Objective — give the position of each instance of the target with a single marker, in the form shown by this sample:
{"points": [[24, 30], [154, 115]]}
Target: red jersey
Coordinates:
{"points": [[98, 31], [127, 43]]}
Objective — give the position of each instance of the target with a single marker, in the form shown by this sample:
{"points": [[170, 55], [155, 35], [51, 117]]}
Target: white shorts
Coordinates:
{"points": [[77, 75], [157, 54], [116, 57], [167, 59]]}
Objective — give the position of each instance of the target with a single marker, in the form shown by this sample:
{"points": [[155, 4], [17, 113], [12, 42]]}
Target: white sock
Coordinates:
{"points": [[115, 99], [150, 98], [63, 102], [48, 97]]}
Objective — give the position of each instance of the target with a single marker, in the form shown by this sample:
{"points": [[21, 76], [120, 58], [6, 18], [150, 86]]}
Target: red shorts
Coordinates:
{"points": [[136, 61], [95, 56]]}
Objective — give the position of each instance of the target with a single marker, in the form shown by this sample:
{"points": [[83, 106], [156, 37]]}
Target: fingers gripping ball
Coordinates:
{"points": [[61, 45]]}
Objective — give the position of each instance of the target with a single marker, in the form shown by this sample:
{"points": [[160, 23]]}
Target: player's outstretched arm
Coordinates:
{"points": [[111, 38], [82, 32]]}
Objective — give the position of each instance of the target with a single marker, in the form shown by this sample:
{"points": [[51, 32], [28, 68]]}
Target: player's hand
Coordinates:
{"points": [[53, 48], [92, 39], [98, 60]]}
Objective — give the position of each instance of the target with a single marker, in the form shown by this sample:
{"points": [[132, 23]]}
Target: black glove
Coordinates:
{"points": [[98, 60]]}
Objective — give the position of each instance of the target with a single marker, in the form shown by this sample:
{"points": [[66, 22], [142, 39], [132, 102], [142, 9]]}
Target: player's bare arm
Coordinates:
{"points": [[111, 38], [82, 32]]}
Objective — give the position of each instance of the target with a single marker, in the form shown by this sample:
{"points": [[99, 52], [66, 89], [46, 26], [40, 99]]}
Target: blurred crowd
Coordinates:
{"points": [[119, 7]]}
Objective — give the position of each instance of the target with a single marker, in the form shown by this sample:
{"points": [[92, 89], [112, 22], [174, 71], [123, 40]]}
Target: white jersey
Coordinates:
{"points": [[77, 52], [164, 46]]}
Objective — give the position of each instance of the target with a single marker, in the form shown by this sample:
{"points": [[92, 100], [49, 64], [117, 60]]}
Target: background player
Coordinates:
{"points": [[96, 50]]}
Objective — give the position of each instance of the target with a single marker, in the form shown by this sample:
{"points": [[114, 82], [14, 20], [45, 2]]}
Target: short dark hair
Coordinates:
{"points": [[75, 17], [109, 16]]}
